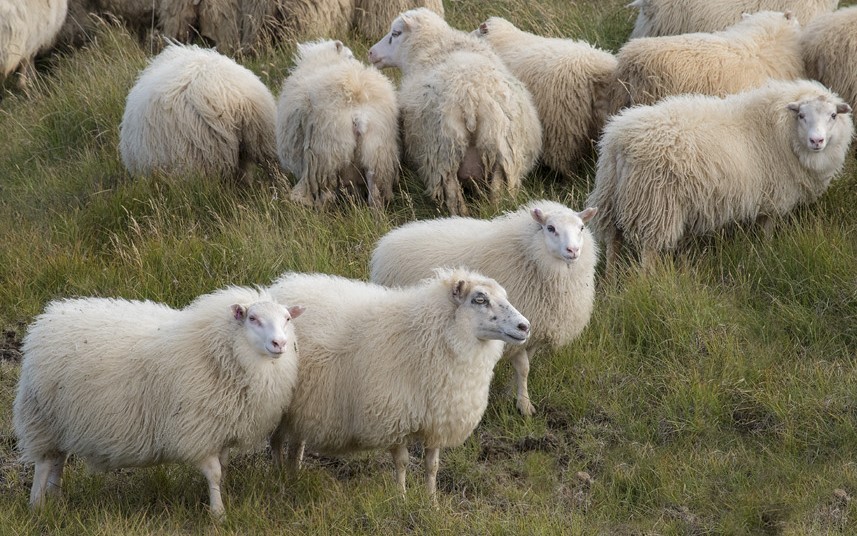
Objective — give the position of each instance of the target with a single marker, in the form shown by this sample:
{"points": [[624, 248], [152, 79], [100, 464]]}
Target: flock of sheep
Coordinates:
{"points": [[684, 148]]}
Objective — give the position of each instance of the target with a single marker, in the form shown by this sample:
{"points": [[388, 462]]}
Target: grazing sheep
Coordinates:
{"points": [[761, 46], [383, 367], [139, 16], [542, 255], [337, 126], [691, 164], [829, 49], [373, 17], [26, 28], [216, 20], [672, 17], [569, 81], [194, 110], [464, 116], [133, 383]]}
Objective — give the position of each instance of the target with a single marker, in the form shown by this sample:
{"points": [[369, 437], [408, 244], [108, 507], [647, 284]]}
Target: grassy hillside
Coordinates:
{"points": [[715, 395]]}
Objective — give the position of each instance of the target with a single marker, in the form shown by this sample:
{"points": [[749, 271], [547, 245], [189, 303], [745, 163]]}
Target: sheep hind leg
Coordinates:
{"points": [[400, 460], [40, 482], [453, 196], [212, 470], [54, 484], [648, 259], [431, 462], [613, 241], [521, 363], [295, 456]]}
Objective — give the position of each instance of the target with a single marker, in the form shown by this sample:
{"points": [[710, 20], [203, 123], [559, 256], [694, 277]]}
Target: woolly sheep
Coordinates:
{"points": [[691, 164], [140, 16], [569, 81], [829, 48], [194, 110], [26, 28], [373, 17], [464, 116], [133, 383], [542, 254], [672, 17], [761, 46], [337, 126], [383, 367]]}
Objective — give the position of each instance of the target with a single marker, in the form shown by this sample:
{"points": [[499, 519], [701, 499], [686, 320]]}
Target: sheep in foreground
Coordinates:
{"points": [[26, 28], [193, 110], [691, 164], [373, 17], [761, 46], [337, 126], [383, 367], [672, 17], [569, 80], [133, 383], [829, 48], [542, 254], [466, 119]]}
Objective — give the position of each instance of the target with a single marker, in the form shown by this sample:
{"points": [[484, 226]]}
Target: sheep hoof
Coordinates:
{"points": [[526, 407]]}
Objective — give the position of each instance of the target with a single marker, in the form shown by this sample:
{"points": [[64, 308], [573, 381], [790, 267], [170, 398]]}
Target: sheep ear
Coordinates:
{"points": [[587, 214], [238, 312], [539, 216], [338, 45], [459, 291], [483, 28], [407, 20], [843, 108], [789, 14], [296, 311], [794, 106]]}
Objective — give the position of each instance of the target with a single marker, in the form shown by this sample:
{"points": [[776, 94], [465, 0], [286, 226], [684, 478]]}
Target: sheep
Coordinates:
{"points": [[691, 164], [26, 28], [373, 17], [337, 126], [672, 17], [194, 110], [829, 45], [216, 20], [569, 81], [383, 367], [124, 383], [761, 46], [140, 16], [464, 116], [542, 254]]}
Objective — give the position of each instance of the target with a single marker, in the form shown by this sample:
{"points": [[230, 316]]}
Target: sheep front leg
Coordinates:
{"points": [[210, 467], [432, 456], [521, 363], [400, 460], [40, 483], [54, 488]]}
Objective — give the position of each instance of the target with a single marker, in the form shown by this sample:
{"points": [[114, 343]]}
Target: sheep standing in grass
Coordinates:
{"points": [[383, 367], [26, 28], [127, 383], [569, 80], [373, 17], [466, 120], [761, 46], [691, 164], [337, 126], [672, 17], [542, 254], [829, 50], [193, 110]]}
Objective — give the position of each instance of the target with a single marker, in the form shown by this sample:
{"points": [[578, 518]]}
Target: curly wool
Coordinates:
{"points": [[829, 47]]}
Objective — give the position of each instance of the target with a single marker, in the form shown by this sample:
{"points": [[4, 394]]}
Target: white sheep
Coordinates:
{"points": [[542, 254], [193, 110], [570, 82], [672, 17], [691, 164], [26, 28], [337, 126], [466, 119], [761, 46], [124, 383], [382, 367], [829, 49], [373, 17]]}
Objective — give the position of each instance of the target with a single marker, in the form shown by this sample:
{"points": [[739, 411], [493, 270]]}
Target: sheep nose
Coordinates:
{"points": [[523, 326], [817, 141], [278, 345]]}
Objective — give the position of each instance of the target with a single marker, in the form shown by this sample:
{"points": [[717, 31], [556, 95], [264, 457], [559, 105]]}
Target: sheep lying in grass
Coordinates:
{"points": [[26, 28], [465, 118], [127, 383], [373, 17], [691, 164], [193, 110], [337, 126], [672, 17], [829, 48], [569, 81], [383, 367], [542, 254], [762, 46]]}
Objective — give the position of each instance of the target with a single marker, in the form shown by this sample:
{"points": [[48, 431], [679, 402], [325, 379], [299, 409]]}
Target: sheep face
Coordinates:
{"points": [[817, 121], [388, 51], [323, 51], [266, 325], [564, 232], [484, 307]]}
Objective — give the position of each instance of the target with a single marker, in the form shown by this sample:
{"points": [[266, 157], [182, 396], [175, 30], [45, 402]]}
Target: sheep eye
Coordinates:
{"points": [[581, 227], [801, 115], [480, 300], [833, 115], [252, 318], [394, 33], [551, 229]]}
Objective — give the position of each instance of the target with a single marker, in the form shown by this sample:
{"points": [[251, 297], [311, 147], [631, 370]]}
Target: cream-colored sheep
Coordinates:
{"points": [[691, 164], [381, 368], [570, 83], [466, 120], [761, 46], [337, 126], [193, 110], [830, 48], [26, 28], [542, 254], [373, 17], [124, 383]]}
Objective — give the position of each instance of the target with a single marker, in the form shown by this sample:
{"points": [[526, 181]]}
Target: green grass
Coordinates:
{"points": [[716, 394]]}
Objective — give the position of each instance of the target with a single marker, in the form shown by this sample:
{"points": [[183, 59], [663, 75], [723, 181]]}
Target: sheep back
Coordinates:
{"points": [[829, 47]]}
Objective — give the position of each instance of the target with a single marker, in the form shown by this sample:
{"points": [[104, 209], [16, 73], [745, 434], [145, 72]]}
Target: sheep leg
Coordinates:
{"points": [[54, 487], [210, 467], [454, 197], [224, 457], [613, 241], [648, 256], [766, 223], [295, 455], [40, 483], [495, 185], [521, 364], [432, 455], [400, 460]]}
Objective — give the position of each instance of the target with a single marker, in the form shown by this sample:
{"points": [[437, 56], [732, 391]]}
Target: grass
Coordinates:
{"points": [[716, 394]]}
